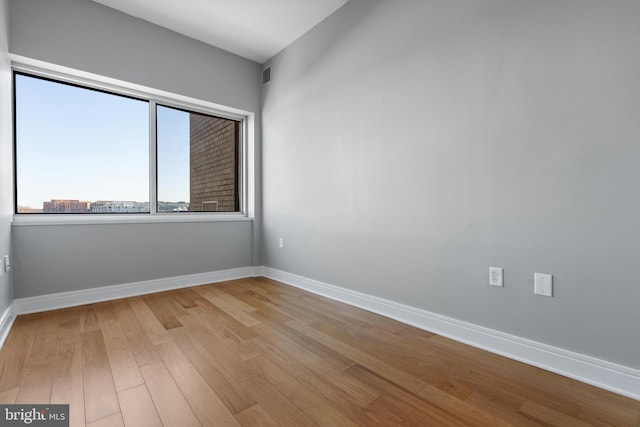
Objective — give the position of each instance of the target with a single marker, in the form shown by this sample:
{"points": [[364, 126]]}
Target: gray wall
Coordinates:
{"points": [[6, 162], [87, 36], [409, 145], [64, 258], [91, 37]]}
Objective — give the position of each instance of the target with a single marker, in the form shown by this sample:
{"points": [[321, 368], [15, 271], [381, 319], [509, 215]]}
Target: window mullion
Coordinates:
{"points": [[153, 159]]}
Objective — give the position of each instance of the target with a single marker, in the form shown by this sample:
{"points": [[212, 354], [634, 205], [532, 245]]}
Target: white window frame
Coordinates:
{"points": [[153, 97]]}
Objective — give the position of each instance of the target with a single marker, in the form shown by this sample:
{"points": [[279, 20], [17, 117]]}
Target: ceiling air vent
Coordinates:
{"points": [[266, 76]]}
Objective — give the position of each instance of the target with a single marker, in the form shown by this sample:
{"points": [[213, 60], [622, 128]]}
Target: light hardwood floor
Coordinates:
{"points": [[255, 352]]}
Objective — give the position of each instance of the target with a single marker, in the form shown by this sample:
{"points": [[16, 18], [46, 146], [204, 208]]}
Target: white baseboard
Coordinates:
{"points": [[106, 293], [6, 321], [600, 373]]}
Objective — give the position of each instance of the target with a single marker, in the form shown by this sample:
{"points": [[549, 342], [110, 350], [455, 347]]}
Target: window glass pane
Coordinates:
{"points": [[79, 150], [197, 162]]}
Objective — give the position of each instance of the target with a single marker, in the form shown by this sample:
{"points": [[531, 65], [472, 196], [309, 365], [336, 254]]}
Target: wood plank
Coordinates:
{"points": [[8, 397], [275, 404], [339, 360], [255, 416], [138, 408], [15, 351], [154, 329], [502, 404], [549, 416], [162, 308], [113, 420], [267, 309], [186, 297], [216, 291], [392, 412], [67, 386], [38, 374], [220, 322], [104, 311], [298, 310], [607, 420], [69, 331], [294, 311], [205, 403], [389, 389], [223, 351], [390, 372], [139, 342], [296, 391], [231, 394], [90, 319], [331, 383], [463, 410], [546, 388], [333, 308], [100, 399], [608, 413], [124, 368], [167, 397], [266, 287], [72, 313], [418, 360], [238, 310]]}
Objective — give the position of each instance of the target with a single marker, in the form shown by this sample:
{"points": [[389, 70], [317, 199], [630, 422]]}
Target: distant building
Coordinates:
{"points": [[66, 206], [118, 206], [173, 206], [28, 209]]}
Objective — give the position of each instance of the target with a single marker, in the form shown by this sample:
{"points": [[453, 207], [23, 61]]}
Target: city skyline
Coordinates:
{"points": [[85, 206]]}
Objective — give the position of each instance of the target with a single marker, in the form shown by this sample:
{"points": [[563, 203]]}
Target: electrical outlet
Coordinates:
{"points": [[281, 242], [495, 276]]}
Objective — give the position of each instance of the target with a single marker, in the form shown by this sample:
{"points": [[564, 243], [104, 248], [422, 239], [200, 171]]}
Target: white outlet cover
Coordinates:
{"points": [[495, 276], [543, 284]]}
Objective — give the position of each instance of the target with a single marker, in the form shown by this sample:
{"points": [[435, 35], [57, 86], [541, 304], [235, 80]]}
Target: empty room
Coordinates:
{"points": [[319, 213]]}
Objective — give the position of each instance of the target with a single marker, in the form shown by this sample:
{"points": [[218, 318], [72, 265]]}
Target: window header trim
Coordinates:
{"points": [[35, 68]]}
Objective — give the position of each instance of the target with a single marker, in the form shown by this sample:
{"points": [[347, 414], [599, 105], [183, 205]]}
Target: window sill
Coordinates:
{"points": [[61, 219]]}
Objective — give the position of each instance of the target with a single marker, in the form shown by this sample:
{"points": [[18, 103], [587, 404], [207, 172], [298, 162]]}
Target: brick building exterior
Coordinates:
{"points": [[214, 164], [66, 206]]}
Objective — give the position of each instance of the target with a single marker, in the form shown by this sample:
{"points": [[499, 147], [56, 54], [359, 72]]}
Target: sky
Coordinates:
{"points": [[173, 154], [75, 143]]}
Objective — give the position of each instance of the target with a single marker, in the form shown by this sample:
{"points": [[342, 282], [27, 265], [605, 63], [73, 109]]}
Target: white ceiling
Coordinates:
{"points": [[254, 29]]}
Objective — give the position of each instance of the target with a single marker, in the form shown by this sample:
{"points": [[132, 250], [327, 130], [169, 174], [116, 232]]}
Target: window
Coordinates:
{"points": [[78, 148], [83, 150], [197, 162]]}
